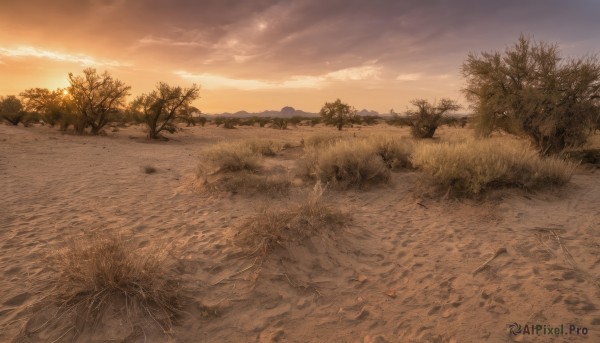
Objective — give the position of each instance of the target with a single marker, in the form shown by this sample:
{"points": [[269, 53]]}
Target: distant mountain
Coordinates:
{"points": [[285, 112], [365, 112]]}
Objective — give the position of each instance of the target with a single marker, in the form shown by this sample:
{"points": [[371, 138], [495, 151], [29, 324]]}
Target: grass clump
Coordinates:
{"points": [[237, 168], [107, 274], [347, 164], [395, 152], [284, 225], [229, 157], [357, 162], [472, 167], [263, 147], [321, 140], [246, 182], [237, 156]]}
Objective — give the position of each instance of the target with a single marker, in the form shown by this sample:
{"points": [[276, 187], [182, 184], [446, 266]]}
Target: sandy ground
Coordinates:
{"points": [[402, 270]]}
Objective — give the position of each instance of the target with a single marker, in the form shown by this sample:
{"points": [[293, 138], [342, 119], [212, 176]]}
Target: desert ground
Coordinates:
{"points": [[405, 267]]}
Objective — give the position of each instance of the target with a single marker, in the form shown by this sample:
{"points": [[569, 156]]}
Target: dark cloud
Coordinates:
{"points": [[305, 37], [277, 39]]}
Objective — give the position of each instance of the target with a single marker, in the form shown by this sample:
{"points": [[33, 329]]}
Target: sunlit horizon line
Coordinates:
{"points": [[81, 59]]}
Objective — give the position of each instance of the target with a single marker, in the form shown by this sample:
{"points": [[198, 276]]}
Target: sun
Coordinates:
{"points": [[65, 92]]}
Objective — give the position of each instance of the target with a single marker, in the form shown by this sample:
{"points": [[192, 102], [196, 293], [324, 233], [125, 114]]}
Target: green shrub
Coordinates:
{"points": [[472, 167]]}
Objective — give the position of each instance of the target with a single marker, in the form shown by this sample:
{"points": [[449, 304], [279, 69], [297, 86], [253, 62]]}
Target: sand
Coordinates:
{"points": [[405, 268]]}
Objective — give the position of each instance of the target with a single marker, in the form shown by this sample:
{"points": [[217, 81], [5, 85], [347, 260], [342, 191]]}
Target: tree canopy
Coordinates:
{"points": [[160, 107], [428, 116], [96, 97], [337, 114], [530, 89]]}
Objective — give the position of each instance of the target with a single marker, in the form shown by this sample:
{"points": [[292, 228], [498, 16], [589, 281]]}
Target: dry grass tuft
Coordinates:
{"points": [[395, 152], [321, 140], [347, 164], [472, 167], [237, 168], [357, 162], [263, 147], [246, 182], [106, 274], [277, 227], [228, 157], [236, 156]]}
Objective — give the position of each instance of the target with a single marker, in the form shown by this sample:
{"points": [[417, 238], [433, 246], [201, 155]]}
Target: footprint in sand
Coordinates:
{"points": [[17, 300]]}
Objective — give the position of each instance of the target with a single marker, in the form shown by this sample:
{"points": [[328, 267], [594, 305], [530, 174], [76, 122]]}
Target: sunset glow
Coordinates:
{"points": [[268, 54]]}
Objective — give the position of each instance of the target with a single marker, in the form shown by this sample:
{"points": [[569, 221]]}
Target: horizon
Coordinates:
{"points": [[268, 54]]}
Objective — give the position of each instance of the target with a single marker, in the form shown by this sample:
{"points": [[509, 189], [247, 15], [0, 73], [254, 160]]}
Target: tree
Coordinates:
{"points": [[160, 107], [55, 107], [96, 97], [428, 117], [531, 90], [11, 109], [279, 123], [337, 114], [188, 115]]}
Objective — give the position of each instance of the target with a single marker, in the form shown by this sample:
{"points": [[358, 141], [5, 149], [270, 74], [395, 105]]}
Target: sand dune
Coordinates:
{"points": [[403, 269]]}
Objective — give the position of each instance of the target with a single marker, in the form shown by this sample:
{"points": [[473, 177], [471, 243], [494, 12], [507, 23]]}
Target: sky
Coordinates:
{"points": [[266, 54]]}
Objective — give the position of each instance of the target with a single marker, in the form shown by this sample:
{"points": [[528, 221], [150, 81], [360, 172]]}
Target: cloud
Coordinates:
{"points": [[166, 42], [213, 81], [355, 73], [84, 60], [409, 77]]}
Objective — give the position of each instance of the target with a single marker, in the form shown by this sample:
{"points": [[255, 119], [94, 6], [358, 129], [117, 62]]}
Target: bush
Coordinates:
{"points": [[370, 119], [470, 168], [398, 120], [94, 276], [531, 91], [347, 164], [281, 226], [246, 182], [279, 123], [228, 157], [11, 110], [428, 117], [263, 147], [395, 152], [321, 140], [237, 168]]}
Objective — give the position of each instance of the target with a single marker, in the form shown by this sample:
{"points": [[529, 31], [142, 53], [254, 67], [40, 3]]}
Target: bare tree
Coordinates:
{"points": [[427, 117], [96, 97], [160, 107], [530, 90], [338, 113]]}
